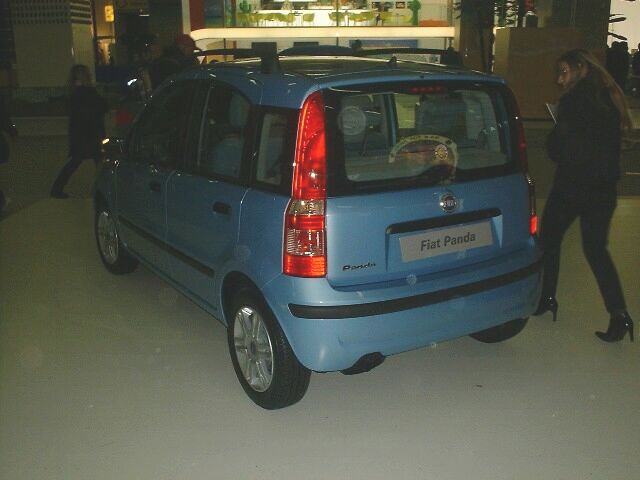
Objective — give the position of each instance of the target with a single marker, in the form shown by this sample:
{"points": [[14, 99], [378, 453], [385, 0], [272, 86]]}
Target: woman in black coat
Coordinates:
{"points": [[86, 110], [585, 144], [6, 126]]}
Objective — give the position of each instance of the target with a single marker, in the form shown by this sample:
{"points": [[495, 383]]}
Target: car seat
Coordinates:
{"points": [[225, 156], [443, 115], [362, 133]]}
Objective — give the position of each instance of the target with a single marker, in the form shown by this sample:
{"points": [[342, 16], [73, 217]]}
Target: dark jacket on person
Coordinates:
{"points": [[635, 63], [171, 61], [6, 126], [86, 109], [451, 57], [586, 141]]}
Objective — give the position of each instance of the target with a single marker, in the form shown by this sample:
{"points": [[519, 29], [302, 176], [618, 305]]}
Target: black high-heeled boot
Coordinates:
{"points": [[619, 325], [547, 304]]}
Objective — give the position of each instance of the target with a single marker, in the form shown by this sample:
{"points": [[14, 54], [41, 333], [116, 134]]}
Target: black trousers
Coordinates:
{"points": [[595, 209], [4, 157], [65, 174]]}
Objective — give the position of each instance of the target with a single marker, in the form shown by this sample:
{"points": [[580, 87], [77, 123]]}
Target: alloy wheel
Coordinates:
{"points": [[107, 237], [253, 348]]}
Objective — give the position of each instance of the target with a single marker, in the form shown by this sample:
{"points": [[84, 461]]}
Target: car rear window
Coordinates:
{"points": [[403, 136]]}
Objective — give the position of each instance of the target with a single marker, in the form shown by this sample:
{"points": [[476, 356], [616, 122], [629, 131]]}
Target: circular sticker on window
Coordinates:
{"points": [[352, 121], [426, 154], [441, 152]]}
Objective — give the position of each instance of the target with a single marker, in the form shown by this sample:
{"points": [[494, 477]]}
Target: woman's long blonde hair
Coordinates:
{"points": [[578, 59]]}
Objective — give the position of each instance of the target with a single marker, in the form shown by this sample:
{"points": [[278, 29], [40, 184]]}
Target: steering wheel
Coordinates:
{"points": [[428, 152]]}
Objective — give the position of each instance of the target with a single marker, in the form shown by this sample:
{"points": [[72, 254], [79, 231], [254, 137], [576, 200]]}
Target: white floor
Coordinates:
{"points": [[105, 377]]}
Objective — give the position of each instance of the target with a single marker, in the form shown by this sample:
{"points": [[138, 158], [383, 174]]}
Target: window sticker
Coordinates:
{"points": [[352, 121]]}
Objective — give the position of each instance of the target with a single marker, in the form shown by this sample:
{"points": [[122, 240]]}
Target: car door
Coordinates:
{"points": [[155, 150], [205, 198]]}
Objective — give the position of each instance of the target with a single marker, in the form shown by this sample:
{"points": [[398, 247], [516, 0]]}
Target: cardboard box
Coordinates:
{"points": [[526, 58]]}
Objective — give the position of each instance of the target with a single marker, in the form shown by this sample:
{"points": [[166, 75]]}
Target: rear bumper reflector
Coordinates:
{"points": [[407, 303]]}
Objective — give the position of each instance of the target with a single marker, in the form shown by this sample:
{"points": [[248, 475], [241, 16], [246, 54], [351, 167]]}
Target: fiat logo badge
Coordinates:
{"points": [[448, 202]]}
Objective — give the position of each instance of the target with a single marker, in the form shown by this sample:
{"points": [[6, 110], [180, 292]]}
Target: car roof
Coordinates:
{"points": [[298, 76], [326, 66]]}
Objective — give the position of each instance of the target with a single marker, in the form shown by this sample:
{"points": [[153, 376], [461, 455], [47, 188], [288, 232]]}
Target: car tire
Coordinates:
{"points": [[502, 332], [264, 362], [112, 253]]}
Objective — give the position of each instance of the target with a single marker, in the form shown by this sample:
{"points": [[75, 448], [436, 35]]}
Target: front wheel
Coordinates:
{"points": [[502, 332], [265, 364], [113, 254]]}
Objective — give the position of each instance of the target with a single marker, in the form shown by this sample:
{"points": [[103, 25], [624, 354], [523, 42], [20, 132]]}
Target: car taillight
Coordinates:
{"points": [[533, 216], [427, 89], [305, 253], [521, 146]]}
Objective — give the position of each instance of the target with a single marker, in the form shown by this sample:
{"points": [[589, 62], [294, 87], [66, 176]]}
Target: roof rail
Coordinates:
{"points": [[395, 50], [268, 55]]}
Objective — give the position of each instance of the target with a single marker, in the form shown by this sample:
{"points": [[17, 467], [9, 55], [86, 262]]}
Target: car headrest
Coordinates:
{"points": [[357, 116], [238, 111], [440, 115]]}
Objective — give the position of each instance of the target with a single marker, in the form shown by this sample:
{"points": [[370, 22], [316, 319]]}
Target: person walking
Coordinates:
{"points": [[86, 109], [174, 59], [617, 62], [451, 57], [585, 144], [6, 127], [635, 62], [635, 73]]}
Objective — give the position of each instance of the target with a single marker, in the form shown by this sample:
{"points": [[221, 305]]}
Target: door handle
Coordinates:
{"points": [[154, 187], [223, 208]]}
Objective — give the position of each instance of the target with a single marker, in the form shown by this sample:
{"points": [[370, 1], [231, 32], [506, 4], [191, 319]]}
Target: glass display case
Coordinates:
{"points": [[327, 13]]}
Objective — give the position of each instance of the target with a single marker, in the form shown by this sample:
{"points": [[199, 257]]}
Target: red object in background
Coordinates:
{"points": [[530, 5], [196, 14], [123, 117]]}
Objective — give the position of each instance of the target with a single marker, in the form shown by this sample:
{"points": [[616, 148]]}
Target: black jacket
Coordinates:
{"points": [[635, 63], [171, 61], [86, 110], [585, 143], [6, 126]]}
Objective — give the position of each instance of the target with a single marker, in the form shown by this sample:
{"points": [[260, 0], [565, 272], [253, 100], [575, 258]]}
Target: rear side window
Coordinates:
{"points": [[275, 145], [272, 149], [413, 135]]}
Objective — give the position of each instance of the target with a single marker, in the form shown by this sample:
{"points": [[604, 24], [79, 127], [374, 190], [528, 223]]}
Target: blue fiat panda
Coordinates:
{"points": [[329, 211]]}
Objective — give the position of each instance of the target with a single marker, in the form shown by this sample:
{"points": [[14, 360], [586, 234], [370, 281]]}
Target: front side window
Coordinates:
{"points": [[159, 136], [417, 135]]}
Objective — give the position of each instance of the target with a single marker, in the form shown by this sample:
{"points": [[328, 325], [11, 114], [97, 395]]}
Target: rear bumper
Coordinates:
{"points": [[332, 334], [408, 303]]}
